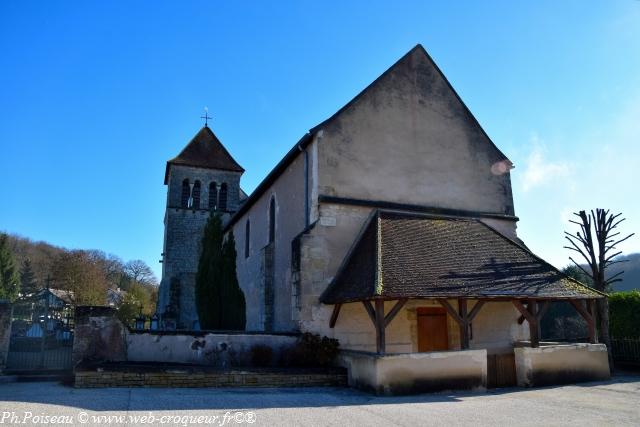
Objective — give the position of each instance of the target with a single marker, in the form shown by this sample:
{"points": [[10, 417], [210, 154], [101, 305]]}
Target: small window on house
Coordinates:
{"points": [[196, 195], [213, 196], [223, 197], [272, 220], [186, 193], [247, 238]]}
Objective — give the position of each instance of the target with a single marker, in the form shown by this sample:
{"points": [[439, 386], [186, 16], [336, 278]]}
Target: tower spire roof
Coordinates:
{"points": [[204, 151]]}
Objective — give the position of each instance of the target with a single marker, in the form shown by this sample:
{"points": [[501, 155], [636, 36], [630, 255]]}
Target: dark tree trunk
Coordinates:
{"points": [[596, 242], [602, 310]]}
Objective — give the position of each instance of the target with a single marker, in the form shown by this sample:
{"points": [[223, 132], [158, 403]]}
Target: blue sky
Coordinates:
{"points": [[96, 96]]}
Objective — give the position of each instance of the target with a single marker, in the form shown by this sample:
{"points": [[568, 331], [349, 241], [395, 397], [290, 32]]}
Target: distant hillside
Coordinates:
{"points": [[86, 273], [631, 276]]}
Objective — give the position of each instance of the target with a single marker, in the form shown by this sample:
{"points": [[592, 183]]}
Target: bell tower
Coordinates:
{"points": [[201, 179]]}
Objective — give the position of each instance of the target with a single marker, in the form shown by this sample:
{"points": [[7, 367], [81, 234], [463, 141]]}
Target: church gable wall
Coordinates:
{"points": [[408, 139]]}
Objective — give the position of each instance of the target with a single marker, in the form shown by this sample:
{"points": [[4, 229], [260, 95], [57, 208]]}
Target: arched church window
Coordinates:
{"points": [[272, 219], [186, 193], [196, 195], [247, 238], [213, 196], [222, 205]]}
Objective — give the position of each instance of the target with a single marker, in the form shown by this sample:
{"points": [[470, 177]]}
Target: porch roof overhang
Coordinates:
{"points": [[401, 255]]}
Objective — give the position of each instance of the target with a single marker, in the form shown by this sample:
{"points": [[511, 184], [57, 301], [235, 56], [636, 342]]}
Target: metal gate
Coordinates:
{"points": [[41, 333]]}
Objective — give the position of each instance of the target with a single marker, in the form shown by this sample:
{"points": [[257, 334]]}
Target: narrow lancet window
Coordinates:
{"points": [[213, 196], [186, 194], [196, 195], [272, 220], [223, 197], [247, 238]]}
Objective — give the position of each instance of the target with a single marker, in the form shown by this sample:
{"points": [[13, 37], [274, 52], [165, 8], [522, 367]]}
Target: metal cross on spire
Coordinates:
{"points": [[206, 117]]}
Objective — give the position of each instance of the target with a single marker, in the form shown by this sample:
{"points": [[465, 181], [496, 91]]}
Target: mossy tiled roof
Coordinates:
{"points": [[399, 255]]}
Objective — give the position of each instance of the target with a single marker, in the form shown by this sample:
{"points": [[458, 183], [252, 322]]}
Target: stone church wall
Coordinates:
{"points": [[288, 191]]}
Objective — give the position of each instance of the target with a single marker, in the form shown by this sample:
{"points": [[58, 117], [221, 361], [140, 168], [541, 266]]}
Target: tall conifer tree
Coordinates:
{"points": [[219, 300], [209, 275], [234, 307], [9, 278], [28, 282]]}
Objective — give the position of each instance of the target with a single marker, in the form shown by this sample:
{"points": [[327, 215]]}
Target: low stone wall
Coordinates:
{"points": [[6, 311], [202, 348], [411, 373], [101, 337], [98, 335], [210, 378], [561, 364]]}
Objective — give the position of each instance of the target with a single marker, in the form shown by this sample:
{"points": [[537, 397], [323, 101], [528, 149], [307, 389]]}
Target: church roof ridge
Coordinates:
{"points": [[204, 150]]}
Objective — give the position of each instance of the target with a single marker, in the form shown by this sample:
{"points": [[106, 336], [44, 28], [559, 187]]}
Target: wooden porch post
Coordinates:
{"points": [[462, 318], [593, 334], [380, 327], [464, 325], [531, 314], [380, 321], [534, 327], [588, 315]]}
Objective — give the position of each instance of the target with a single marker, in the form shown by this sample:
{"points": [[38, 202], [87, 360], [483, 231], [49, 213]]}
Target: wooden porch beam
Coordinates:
{"points": [[452, 312], [523, 311], [531, 315], [475, 310], [543, 309], [586, 315], [394, 311], [370, 311], [521, 319], [334, 315]]}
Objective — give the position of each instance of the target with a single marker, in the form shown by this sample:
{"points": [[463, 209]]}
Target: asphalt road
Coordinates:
{"points": [[615, 402]]}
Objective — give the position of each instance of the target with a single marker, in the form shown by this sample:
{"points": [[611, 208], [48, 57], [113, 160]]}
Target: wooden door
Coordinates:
{"points": [[501, 370], [432, 329]]}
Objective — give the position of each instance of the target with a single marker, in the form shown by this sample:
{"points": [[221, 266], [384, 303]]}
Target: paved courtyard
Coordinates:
{"points": [[615, 402]]}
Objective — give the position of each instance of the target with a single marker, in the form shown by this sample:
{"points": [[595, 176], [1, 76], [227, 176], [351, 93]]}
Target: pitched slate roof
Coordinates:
{"points": [[204, 151], [400, 255]]}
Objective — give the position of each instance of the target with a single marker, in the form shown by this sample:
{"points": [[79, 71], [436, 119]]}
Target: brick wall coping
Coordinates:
{"points": [[146, 367], [201, 333]]}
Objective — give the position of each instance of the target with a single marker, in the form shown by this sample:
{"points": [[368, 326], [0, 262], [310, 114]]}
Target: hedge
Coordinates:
{"points": [[624, 314]]}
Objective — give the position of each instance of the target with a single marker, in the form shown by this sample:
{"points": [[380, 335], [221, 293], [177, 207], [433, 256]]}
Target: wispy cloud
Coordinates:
{"points": [[540, 171]]}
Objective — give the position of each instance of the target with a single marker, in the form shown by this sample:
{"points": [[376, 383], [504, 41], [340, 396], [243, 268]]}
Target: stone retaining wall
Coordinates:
{"points": [[411, 373], [101, 337], [561, 364], [188, 378], [202, 348]]}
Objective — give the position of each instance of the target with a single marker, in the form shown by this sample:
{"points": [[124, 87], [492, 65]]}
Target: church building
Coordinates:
{"points": [[389, 226]]}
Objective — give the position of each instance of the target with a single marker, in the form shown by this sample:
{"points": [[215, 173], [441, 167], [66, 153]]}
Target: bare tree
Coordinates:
{"points": [[596, 242], [140, 272]]}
